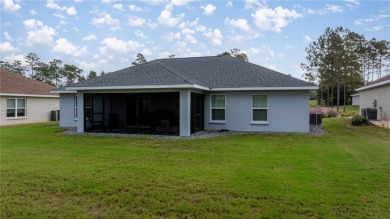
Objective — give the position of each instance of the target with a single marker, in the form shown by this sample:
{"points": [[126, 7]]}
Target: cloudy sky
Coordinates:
{"points": [[107, 34]]}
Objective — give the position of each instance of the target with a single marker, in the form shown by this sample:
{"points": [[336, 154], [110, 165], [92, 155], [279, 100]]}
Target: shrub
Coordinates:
{"points": [[359, 120], [348, 114], [324, 111]]}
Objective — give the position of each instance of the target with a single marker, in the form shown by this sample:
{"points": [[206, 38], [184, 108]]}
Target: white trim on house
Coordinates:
{"points": [[16, 108], [264, 88], [253, 122], [193, 86], [62, 92], [373, 85], [27, 95], [211, 109]]}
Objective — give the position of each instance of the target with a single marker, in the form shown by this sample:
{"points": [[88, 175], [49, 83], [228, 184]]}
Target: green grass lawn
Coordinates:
{"points": [[344, 174], [313, 103]]}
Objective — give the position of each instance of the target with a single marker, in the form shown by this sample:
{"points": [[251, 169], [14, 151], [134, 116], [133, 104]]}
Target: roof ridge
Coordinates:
{"points": [[191, 57], [175, 73]]}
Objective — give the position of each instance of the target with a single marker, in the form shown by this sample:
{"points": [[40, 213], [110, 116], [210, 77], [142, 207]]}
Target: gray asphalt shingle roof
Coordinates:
{"points": [[211, 72]]}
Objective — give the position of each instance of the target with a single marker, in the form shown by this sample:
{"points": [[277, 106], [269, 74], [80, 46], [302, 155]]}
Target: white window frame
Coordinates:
{"points": [[211, 109], [254, 108], [16, 108], [75, 113]]}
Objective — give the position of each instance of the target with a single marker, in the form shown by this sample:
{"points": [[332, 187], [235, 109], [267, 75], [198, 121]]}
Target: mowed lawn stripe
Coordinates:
{"points": [[345, 173]]}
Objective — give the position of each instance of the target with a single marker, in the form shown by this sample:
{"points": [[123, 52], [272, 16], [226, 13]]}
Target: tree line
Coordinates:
{"points": [[341, 60], [53, 72]]}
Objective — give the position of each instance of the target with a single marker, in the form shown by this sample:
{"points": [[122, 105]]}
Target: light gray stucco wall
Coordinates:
{"points": [[67, 110], [288, 111], [382, 95], [355, 100]]}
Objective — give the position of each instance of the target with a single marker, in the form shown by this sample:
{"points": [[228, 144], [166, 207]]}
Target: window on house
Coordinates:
{"points": [[75, 107], [218, 107], [259, 108], [16, 108]]}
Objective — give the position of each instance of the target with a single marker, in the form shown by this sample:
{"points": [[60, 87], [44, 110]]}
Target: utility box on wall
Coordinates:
{"points": [[369, 113]]}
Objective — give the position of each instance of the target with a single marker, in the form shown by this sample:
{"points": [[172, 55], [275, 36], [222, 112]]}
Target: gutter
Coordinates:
{"points": [[374, 85]]}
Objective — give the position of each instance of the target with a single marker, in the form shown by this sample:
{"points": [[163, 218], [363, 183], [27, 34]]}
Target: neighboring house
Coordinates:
{"points": [[25, 100], [355, 98], [185, 95], [376, 94]]}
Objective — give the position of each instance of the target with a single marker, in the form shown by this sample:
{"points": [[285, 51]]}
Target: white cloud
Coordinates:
{"points": [[208, 9], [316, 12], [180, 2], [64, 46], [274, 19], [152, 25], [197, 26], [375, 28], [352, 3], [113, 45], [136, 21], [254, 50], [135, 8], [308, 38], [146, 52], [11, 59], [75, 29], [241, 24], [71, 10], [229, 4], [115, 28], [154, 2], [333, 8], [60, 16], [250, 4], [9, 6], [215, 36], [7, 36], [6, 47], [139, 34], [38, 33], [187, 31], [118, 7], [106, 2], [33, 12], [90, 37], [52, 5], [191, 39], [104, 18], [172, 36], [166, 18]]}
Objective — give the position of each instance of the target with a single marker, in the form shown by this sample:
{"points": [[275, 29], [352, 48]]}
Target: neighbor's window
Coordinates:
{"points": [[75, 107], [259, 108], [218, 107], [16, 108]]}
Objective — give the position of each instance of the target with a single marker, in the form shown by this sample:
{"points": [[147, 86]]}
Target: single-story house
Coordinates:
{"points": [[25, 100], [355, 99], [181, 96], [376, 94]]}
